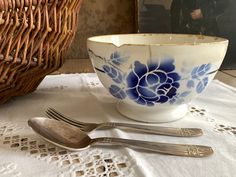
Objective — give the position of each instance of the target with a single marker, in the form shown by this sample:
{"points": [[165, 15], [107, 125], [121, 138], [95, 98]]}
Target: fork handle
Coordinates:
{"points": [[163, 148], [169, 131]]}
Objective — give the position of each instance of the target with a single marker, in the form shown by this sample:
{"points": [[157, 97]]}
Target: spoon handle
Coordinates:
{"points": [[163, 148], [169, 131]]}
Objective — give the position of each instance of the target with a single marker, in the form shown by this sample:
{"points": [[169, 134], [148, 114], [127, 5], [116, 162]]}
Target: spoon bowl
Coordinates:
{"points": [[72, 138], [60, 134]]}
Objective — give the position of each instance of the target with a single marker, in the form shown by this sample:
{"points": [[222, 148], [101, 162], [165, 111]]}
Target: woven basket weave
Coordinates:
{"points": [[34, 34]]}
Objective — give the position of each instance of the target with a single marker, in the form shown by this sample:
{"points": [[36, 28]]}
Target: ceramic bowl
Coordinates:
{"points": [[155, 76]]}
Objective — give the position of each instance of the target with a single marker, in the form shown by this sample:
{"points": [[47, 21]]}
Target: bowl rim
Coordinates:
{"points": [[217, 40]]}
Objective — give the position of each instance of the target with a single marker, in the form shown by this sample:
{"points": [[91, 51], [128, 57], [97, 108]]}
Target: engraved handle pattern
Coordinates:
{"points": [[180, 132], [163, 148]]}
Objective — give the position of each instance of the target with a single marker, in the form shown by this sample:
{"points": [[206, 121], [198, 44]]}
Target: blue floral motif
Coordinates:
{"points": [[152, 83], [190, 84], [200, 71], [179, 97], [117, 92], [113, 73], [202, 85], [199, 74], [117, 58]]}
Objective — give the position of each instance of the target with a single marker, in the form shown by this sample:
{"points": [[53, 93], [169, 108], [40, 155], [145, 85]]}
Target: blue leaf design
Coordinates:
{"points": [[207, 67], [201, 85], [205, 80], [184, 94], [190, 84], [200, 71], [200, 76], [117, 58], [113, 73], [117, 92], [194, 73]]}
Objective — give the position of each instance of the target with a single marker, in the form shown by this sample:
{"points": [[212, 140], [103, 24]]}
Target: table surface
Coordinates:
{"points": [[85, 66]]}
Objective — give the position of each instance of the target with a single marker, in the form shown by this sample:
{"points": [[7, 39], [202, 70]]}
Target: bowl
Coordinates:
{"points": [[155, 76]]}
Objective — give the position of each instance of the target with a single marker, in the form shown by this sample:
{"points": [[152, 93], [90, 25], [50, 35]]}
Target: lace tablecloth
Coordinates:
{"points": [[23, 153]]}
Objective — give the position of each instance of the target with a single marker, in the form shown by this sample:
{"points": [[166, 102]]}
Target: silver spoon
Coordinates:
{"points": [[71, 138]]}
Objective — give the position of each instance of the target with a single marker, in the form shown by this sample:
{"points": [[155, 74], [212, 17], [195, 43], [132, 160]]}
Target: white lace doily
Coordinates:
{"points": [[24, 154]]}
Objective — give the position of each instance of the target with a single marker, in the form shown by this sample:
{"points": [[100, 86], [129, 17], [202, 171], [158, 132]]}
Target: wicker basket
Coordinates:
{"points": [[34, 34]]}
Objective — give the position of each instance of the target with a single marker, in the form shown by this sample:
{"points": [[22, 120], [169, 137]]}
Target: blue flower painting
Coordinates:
{"points": [[152, 83], [117, 92], [199, 77], [117, 58], [113, 73]]}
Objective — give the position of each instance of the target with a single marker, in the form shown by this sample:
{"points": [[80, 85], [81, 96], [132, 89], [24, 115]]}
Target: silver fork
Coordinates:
{"points": [[88, 127]]}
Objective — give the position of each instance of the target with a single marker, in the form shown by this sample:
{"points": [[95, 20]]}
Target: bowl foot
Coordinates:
{"points": [[152, 114]]}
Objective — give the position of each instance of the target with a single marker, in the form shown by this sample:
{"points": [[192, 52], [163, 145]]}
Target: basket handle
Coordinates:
{"points": [[13, 4]]}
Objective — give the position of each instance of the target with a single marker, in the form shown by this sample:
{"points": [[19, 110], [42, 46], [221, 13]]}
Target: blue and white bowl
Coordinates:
{"points": [[155, 76]]}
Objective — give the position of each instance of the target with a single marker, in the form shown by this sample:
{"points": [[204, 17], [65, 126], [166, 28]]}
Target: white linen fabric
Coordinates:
{"points": [[81, 96]]}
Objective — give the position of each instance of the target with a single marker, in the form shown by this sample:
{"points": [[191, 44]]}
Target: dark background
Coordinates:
{"points": [[154, 17]]}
